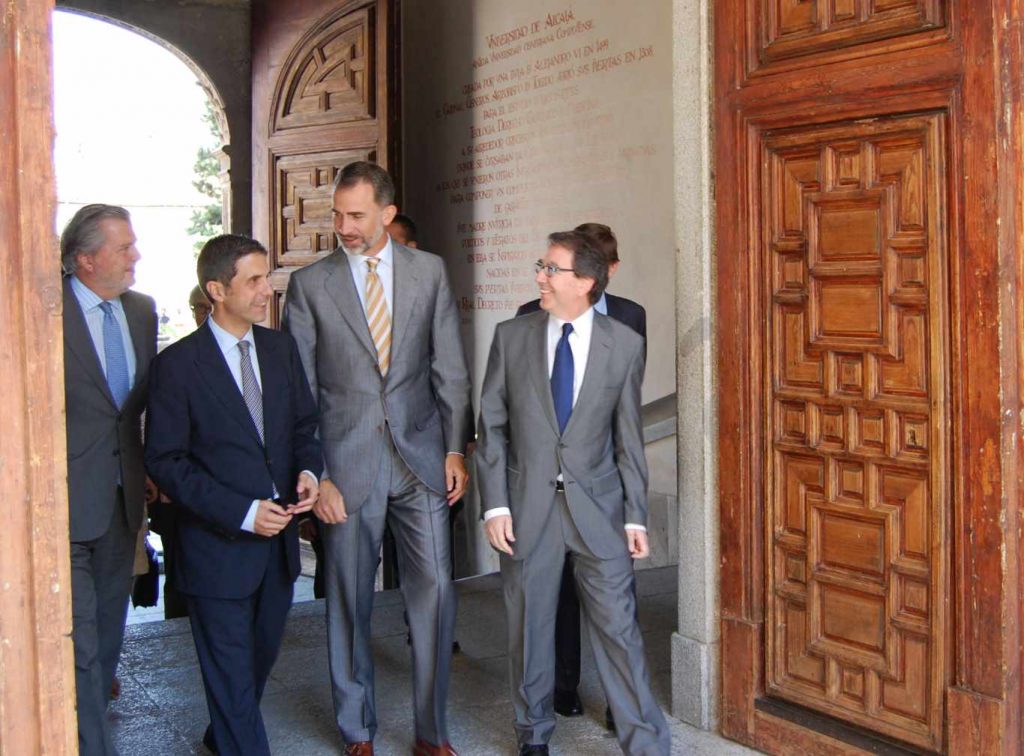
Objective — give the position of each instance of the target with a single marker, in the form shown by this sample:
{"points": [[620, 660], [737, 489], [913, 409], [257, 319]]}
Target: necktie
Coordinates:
{"points": [[113, 353], [377, 316], [562, 378], [250, 389]]}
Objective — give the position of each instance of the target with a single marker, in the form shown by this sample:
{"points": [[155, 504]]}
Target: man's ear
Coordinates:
{"points": [[214, 291], [388, 214]]}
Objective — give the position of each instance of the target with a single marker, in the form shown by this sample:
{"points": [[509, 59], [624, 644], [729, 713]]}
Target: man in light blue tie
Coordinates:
{"points": [[109, 340], [560, 460]]}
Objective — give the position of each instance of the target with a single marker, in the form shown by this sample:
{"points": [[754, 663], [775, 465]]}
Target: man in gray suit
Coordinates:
{"points": [[109, 340], [560, 457], [378, 333]]}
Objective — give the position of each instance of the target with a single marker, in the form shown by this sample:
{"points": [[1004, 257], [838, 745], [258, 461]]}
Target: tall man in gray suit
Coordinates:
{"points": [[378, 335], [560, 457], [109, 340]]}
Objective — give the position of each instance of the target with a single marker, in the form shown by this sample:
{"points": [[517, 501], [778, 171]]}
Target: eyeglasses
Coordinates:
{"points": [[550, 268], [201, 307]]}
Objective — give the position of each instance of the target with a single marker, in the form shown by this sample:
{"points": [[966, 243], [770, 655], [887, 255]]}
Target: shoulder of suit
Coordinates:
{"points": [[314, 269], [143, 300], [620, 330], [529, 307], [183, 348], [628, 304]]}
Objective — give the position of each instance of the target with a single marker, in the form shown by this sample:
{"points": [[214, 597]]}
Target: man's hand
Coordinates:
{"points": [[271, 518], [499, 533], [639, 548], [330, 507], [308, 490], [152, 492], [455, 476]]}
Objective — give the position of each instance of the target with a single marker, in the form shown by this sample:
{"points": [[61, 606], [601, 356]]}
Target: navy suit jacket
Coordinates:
{"points": [[203, 450], [626, 311]]}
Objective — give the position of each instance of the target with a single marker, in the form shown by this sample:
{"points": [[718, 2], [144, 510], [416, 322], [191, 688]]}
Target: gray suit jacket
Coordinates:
{"points": [[601, 454], [424, 402], [104, 443]]}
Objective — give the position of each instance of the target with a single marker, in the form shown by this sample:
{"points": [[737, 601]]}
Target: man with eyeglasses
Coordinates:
{"points": [[560, 458], [567, 623]]}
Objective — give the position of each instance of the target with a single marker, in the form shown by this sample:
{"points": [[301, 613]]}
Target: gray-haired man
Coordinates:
{"points": [[109, 340]]}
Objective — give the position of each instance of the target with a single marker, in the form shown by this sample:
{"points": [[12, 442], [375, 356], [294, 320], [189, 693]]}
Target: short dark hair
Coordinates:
{"points": [[408, 224], [588, 261], [218, 259], [363, 171], [604, 237], [82, 235]]}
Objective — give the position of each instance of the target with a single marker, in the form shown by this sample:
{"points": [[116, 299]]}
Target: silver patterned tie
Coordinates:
{"points": [[251, 389]]}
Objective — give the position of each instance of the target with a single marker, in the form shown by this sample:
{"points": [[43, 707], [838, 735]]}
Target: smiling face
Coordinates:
{"points": [[564, 294], [359, 221], [110, 270], [243, 301]]}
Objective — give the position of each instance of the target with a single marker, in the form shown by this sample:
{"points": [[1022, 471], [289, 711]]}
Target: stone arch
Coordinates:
{"points": [[213, 41]]}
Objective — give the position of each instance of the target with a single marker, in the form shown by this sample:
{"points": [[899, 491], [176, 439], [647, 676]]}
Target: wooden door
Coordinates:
{"points": [[856, 209], [324, 94]]}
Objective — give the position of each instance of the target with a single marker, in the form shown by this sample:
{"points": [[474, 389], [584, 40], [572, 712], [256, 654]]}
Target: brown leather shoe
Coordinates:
{"points": [[362, 748], [423, 748]]}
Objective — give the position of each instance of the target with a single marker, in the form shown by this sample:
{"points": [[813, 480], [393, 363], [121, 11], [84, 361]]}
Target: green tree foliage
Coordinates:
{"points": [[207, 220]]}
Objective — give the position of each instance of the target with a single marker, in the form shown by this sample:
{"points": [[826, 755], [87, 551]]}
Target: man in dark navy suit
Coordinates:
{"points": [[231, 437], [567, 622]]}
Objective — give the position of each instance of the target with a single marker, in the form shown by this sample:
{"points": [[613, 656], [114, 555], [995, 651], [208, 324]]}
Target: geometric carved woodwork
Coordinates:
{"points": [[856, 485], [302, 189], [795, 28], [329, 77]]}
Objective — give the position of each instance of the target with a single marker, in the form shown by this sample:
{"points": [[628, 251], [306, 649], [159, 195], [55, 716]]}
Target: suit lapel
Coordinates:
{"points": [[79, 341], [341, 289], [212, 368], [136, 318], [601, 341], [404, 294], [538, 367]]}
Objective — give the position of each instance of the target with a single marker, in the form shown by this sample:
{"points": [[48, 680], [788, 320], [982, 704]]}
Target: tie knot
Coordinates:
{"points": [[372, 263], [108, 309], [243, 347], [566, 330]]}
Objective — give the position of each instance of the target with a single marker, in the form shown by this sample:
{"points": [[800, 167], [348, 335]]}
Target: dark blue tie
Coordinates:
{"points": [[561, 379], [113, 354]]}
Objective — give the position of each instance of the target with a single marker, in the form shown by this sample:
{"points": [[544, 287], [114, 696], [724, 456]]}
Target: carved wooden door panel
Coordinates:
{"points": [[327, 73], [855, 350], [867, 182]]}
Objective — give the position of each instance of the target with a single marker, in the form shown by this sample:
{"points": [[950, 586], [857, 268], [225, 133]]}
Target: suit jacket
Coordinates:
{"points": [[203, 450], [601, 453], [623, 310], [104, 443], [423, 402]]}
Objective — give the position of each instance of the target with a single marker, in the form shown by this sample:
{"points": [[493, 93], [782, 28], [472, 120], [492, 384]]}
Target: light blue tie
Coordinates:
{"points": [[113, 353]]}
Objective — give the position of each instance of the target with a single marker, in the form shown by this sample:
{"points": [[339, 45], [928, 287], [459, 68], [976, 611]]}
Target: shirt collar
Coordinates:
{"points": [[582, 326], [88, 298], [225, 340], [602, 304], [386, 256]]}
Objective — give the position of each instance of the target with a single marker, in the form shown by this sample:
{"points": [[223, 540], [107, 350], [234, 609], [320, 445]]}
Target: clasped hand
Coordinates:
{"points": [[272, 518]]}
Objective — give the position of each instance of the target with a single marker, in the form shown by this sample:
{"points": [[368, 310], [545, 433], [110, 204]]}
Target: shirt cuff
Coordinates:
{"points": [[454, 452], [634, 526], [497, 512], [249, 523], [312, 476]]}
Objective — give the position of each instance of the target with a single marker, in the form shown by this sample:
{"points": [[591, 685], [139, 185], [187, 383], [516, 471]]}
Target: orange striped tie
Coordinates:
{"points": [[377, 316]]}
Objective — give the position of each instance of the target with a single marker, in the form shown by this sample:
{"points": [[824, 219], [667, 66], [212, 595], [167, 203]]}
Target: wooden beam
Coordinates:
{"points": [[37, 711]]}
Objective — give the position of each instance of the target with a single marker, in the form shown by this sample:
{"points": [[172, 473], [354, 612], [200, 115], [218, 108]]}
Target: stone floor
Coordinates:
{"points": [[162, 709]]}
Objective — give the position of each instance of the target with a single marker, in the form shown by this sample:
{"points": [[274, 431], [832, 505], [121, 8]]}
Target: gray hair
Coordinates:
{"points": [[369, 173], [83, 234]]}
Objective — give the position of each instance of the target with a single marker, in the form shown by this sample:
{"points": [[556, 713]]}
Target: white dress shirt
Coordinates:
{"points": [[579, 345], [90, 303], [233, 357]]}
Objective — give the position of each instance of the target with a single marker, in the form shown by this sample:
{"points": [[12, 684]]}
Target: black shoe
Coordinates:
{"points": [[609, 720], [208, 741], [568, 703], [533, 750]]}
